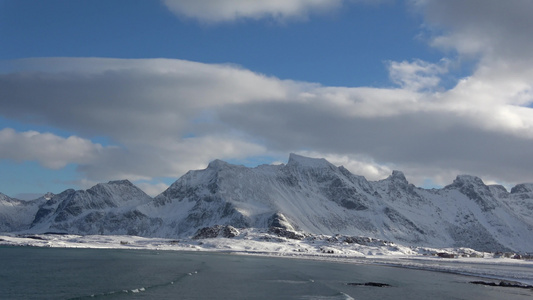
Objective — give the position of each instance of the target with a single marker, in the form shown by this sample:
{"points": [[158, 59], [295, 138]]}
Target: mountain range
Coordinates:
{"points": [[307, 195]]}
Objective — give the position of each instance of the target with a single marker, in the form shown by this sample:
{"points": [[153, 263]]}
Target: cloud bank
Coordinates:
{"points": [[166, 116]]}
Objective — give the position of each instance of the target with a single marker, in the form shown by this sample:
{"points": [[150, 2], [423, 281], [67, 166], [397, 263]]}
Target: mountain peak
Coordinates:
{"points": [[112, 185], [398, 176], [121, 182], [522, 188], [4, 197], [217, 164], [299, 160], [467, 179]]}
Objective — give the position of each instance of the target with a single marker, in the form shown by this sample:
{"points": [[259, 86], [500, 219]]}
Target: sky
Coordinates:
{"points": [[145, 90]]}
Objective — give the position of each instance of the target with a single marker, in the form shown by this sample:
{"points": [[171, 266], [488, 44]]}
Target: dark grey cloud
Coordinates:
{"points": [[150, 98], [423, 142], [498, 28]]}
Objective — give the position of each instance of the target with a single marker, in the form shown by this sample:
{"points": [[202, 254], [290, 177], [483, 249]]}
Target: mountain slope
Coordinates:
{"points": [[17, 214], [315, 196], [106, 208], [306, 194]]}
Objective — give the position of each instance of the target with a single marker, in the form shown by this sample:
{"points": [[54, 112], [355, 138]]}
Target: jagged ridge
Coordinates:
{"points": [[306, 194]]}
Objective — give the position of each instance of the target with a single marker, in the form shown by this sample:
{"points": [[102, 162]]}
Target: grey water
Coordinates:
{"points": [[55, 273]]}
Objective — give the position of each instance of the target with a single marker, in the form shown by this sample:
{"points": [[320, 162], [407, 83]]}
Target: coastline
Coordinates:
{"points": [[489, 268]]}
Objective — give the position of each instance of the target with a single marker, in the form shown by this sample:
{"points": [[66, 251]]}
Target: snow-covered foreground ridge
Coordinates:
{"points": [[306, 195]]}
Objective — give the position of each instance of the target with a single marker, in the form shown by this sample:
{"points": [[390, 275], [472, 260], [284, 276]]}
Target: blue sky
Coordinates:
{"points": [[345, 47], [97, 90]]}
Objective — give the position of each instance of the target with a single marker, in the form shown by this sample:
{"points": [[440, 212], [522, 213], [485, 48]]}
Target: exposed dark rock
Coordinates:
{"points": [[474, 188], [338, 191], [34, 237], [226, 231], [446, 255], [398, 218], [278, 220], [121, 182], [41, 213], [504, 283], [367, 241], [474, 235], [522, 188], [229, 231], [398, 176], [281, 232], [207, 233], [352, 205], [327, 250], [376, 284], [334, 239]]}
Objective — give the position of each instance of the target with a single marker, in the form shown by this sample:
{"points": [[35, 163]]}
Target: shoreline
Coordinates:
{"points": [[494, 269], [395, 263]]}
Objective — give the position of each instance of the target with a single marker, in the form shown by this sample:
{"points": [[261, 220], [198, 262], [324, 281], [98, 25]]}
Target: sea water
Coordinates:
{"points": [[55, 273]]}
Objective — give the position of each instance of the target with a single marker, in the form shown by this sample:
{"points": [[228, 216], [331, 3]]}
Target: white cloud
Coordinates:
{"points": [[497, 105], [417, 75], [496, 34], [49, 150], [146, 161], [357, 164], [229, 10]]}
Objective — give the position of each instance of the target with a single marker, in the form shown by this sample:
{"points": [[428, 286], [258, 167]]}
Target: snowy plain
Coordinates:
{"points": [[491, 266]]}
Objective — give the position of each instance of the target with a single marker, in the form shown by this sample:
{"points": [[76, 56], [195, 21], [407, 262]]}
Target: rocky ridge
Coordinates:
{"points": [[305, 195]]}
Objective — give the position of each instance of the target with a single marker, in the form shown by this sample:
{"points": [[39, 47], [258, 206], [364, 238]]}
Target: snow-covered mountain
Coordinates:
{"points": [[17, 214], [106, 208], [306, 194]]}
